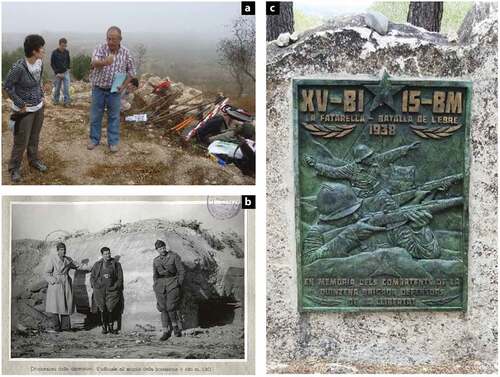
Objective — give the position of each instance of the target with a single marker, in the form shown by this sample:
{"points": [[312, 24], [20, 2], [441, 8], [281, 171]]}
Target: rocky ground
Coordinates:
{"points": [[466, 366], [222, 342], [147, 155]]}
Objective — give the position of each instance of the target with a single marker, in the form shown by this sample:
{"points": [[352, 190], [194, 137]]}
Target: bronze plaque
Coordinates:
{"points": [[382, 171]]}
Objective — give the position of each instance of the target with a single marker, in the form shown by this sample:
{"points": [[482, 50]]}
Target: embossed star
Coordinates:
{"points": [[384, 92]]}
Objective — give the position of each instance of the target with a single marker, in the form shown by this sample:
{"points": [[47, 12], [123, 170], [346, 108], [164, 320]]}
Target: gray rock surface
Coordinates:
{"points": [[283, 40], [377, 21], [479, 12], [391, 342], [294, 37]]}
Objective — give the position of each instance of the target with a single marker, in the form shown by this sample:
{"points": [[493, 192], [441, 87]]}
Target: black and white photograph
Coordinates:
{"points": [[156, 278]]}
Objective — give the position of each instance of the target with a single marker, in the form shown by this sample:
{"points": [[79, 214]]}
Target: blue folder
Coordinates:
{"points": [[119, 80]]}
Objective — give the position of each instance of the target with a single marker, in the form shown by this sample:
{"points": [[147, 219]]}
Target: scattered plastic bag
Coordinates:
{"points": [[219, 147], [137, 118]]}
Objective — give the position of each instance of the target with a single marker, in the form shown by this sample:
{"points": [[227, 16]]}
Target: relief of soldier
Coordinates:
{"points": [[344, 210], [346, 228], [364, 172]]}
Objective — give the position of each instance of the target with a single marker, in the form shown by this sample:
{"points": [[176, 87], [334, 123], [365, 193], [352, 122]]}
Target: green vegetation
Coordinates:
{"points": [[9, 58], [453, 13], [80, 66], [394, 11], [304, 22]]}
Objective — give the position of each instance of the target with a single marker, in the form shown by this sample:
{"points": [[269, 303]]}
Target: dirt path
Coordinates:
{"points": [[146, 156], [223, 342]]}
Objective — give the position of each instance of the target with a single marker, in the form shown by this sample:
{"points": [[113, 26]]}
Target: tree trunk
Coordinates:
{"points": [[426, 14], [249, 74], [280, 23], [239, 82]]}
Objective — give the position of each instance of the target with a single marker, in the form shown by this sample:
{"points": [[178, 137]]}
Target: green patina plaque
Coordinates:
{"points": [[382, 172]]}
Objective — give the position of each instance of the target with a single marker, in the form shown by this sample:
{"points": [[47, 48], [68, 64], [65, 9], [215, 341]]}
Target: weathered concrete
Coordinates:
{"points": [[394, 342]]}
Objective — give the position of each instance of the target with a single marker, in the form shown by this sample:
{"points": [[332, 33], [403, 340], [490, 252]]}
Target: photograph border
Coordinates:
{"points": [[164, 366]]}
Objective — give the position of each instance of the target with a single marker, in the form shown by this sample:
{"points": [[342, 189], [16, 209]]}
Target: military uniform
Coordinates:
{"points": [[365, 178], [420, 244], [346, 243], [168, 275], [337, 201], [106, 279]]}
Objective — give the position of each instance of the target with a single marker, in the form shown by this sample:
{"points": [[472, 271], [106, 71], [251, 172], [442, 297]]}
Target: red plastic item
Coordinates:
{"points": [[158, 89]]}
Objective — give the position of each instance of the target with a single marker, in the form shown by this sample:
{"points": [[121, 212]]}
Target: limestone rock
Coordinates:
{"points": [[146, 76], [39, 285], [29, 317], [189, 93], [154, 81], [21, 328], [479, 12], [349, 36], [294, 37], [283, 40], [377, 21]]}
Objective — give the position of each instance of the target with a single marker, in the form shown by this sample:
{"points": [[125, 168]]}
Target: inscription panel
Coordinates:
{"points": [[381, 168]]}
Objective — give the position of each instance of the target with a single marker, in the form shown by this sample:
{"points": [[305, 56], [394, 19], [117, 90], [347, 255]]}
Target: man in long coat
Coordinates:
{"points": [[106, 278], [59, 300], [168, 275]]}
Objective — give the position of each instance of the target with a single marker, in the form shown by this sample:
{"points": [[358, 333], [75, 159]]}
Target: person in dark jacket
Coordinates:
{"points": [[168, 275], [106, 279], [23, 84], [60, 63]]}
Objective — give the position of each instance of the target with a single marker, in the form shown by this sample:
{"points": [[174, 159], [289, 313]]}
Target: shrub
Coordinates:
{"points": [[9, 58], [80, 66], [453, 13]]}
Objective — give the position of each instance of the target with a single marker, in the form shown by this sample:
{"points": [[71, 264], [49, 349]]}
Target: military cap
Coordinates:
{"points": [[159, 244]]}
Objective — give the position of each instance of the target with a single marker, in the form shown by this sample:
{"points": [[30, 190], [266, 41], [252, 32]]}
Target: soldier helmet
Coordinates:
{"points": [[335, 201], [361, 152]]}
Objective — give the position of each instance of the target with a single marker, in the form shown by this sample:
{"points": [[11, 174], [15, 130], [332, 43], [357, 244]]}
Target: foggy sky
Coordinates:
{"points": [[36, 221], [207, 19]]}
